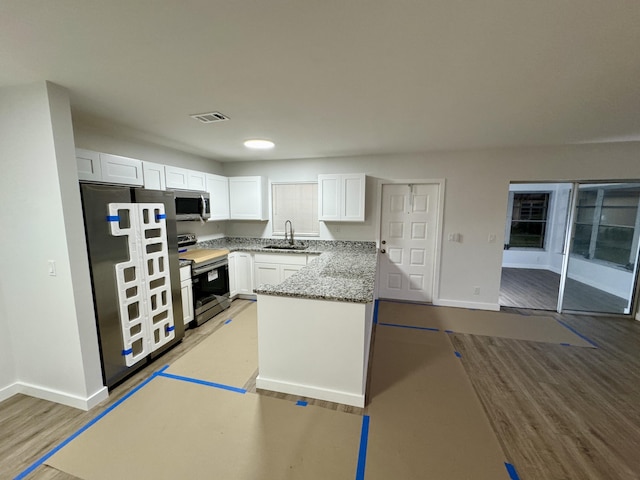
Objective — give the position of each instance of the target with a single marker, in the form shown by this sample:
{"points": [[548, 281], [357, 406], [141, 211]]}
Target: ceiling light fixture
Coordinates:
{"points": [[259, 144]]}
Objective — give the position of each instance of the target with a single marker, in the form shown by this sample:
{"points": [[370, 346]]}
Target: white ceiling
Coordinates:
{"points": [[337, 77]]}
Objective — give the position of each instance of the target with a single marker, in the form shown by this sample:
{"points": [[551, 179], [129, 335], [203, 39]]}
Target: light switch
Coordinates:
{"points": [[492, 238], [52, 268]]}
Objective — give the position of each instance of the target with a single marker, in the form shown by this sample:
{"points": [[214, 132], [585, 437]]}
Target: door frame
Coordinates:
{"points": [[440, 182]]}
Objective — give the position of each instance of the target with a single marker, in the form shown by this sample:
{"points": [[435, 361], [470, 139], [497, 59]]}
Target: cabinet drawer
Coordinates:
{"points": [[281, 258], [185, 273]]}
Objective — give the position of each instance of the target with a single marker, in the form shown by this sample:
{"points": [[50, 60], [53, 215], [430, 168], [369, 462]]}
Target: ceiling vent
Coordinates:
{"points": [[210, 117]]}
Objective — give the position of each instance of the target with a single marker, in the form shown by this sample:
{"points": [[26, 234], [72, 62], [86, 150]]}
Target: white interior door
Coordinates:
{"points": [[408, 241]]}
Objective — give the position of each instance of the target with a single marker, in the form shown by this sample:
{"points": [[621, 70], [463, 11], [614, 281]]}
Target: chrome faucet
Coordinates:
{"points": [[290, 230]]}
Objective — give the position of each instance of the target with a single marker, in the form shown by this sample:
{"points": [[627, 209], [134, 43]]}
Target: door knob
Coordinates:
{"points": [[382, 251], [384, 242]]}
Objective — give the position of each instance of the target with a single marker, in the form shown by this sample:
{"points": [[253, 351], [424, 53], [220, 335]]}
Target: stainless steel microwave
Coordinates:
{"points": [[192, 205]]}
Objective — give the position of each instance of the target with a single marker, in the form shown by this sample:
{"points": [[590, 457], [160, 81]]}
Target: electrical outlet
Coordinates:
{"points": [[476, 290]]}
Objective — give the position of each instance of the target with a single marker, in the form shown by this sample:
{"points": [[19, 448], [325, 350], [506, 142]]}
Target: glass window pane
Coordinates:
{"points": [[614, 244], [581, 240], [529, 218], [527, 234]]}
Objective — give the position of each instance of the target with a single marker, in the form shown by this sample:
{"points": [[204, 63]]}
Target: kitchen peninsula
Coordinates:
{"points": [[314, 328]]}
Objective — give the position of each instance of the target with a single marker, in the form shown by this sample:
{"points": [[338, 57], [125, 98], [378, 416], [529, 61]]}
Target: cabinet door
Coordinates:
{"points": [[197, 180], [244, 269], [88, 165], [187, 301], [153, 174], [341, 197], [288, 270], [247, 198], [329, 192], [267, 273], [177, 177], [352, 201], [218, 188], [233, 275], [123, 170]]}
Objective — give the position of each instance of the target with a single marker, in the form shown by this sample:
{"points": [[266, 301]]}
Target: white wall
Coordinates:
{"points": [[7, 364], [50, 318], [119, 141], [477, 184]]}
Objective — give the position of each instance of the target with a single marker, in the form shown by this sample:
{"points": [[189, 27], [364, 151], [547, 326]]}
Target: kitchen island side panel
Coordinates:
{"points": [[314, 348]]}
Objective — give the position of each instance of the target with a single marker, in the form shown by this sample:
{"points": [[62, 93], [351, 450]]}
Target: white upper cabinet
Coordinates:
{"points": [[218, 188], [117, 169], [88, 165], [248, 198], [177, 177], [197, 181], [104, 167], [154, 176], [185, 179], [341, 197]]}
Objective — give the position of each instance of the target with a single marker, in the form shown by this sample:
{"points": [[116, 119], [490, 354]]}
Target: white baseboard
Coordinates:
{"points": [[9, 391], [463, 304], [309, 391], [64, 398]]}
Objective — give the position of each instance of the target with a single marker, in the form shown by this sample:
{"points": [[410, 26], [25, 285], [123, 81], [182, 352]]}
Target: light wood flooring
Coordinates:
{"points": [[559, 412], [538, 289], [563, 413]]}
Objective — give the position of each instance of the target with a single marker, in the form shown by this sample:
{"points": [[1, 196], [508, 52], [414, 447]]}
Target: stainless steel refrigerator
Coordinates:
{"points": [[133, 257]]}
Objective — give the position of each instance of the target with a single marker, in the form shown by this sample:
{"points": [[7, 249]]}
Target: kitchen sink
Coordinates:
{"points": [[286, 247]]}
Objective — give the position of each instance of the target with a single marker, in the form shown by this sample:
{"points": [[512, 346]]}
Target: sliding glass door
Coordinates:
{"points": [[601, 256]]}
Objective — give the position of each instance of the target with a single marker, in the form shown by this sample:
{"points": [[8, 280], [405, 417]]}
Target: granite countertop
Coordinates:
{"points": [[345, 270], [235, 244], [338, 276]]}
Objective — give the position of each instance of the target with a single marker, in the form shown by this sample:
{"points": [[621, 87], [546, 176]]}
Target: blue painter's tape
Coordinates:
{"points": [[113, 218], [127, 352], [565, 344], [228, 321], [301, 403], [458, 354], [449, 331], [170, 328], [410, 326], [569, 327], [182, 250], [375, 311], [511, 470], [362, 453], [203, 382], [161, 216], [78, 432]]}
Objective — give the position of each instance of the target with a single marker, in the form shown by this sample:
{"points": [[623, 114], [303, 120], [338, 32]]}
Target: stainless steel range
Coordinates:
{"points": [[210, 278]]}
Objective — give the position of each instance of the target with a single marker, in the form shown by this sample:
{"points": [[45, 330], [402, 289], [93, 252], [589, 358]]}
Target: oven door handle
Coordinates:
{"points": [[207, 268]]}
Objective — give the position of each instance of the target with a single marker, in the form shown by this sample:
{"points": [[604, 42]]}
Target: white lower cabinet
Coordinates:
{"points": [[275, 268], [186, 289], [240, 274]]}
